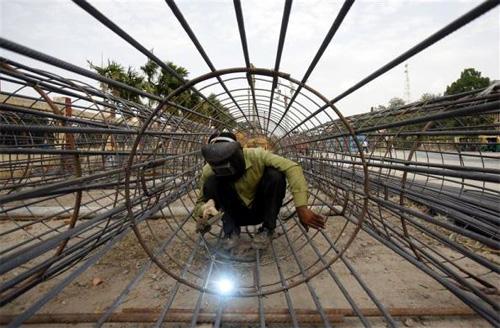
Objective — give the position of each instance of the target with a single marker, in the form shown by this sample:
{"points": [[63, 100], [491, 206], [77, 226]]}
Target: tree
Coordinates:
{"points": [[469, 80], [117, 72], [377, 108], [395, 103], [156, 81], [214, 108], [133, 79], [429, 96], [160, 82]]}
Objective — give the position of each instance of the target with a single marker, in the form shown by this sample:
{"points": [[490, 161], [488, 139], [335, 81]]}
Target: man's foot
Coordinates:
{"points": [[262, 239], [230, 241]]}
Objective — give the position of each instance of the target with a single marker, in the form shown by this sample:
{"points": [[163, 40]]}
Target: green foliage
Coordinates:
{"points": [[118, 73], [377, 108], [157, 81], [161, 82], [215, 109], [395, 103], [469, 80], [429, 96]]}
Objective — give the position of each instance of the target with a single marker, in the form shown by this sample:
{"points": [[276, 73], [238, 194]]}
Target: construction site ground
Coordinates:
{"points": [[395, 282]]}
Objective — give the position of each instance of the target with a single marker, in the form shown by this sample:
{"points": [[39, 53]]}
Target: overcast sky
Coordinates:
{"points": [[373, 33]]}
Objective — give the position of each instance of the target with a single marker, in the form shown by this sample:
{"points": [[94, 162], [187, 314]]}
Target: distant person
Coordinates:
{"points": [[249, 185], [365, 145]]}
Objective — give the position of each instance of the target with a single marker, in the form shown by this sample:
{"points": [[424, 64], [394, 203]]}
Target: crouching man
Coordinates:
{"points": [[249, 185]]}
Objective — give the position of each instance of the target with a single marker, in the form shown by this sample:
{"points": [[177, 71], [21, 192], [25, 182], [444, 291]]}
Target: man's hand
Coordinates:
{"points": [[310, 219], [208, 211], [202, 226]]}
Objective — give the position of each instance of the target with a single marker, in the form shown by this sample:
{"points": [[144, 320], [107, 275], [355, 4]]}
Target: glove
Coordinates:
{"points": [[202, 226], [208, 211]]}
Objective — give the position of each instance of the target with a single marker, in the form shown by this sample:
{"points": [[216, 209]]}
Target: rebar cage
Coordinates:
{"points": [[83, 168]]}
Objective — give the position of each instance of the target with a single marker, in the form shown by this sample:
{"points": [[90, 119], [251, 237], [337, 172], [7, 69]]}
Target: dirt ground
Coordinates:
{"points": [[394, 281]]}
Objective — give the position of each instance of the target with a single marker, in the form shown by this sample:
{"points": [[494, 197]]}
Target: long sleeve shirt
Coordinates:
{"points": [[256, 160]]}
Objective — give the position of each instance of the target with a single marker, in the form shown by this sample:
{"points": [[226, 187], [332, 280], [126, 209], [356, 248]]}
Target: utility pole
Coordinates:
{"points": [[255, 122], [407, 84]]}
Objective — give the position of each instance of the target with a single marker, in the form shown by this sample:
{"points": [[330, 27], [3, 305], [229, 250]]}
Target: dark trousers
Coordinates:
{"points": [[265, 208]]}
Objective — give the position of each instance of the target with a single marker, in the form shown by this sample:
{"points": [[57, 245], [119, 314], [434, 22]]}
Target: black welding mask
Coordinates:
{"points": [[225, 158]]}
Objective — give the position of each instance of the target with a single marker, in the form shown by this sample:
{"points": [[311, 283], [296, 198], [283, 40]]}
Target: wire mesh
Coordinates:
{"points": [[82, 167]]}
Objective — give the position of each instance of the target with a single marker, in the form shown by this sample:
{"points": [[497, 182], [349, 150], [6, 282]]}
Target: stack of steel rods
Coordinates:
{"points": [[82, 168]]}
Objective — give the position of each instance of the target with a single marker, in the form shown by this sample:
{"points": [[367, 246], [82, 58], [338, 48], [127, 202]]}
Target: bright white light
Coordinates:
{"points": [[225, 286]]}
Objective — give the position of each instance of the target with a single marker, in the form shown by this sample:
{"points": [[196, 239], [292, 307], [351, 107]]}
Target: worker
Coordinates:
{"points": [[249, 185]]}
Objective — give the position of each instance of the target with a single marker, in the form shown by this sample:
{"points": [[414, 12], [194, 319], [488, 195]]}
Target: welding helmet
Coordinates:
{"points": [[225, 156]]}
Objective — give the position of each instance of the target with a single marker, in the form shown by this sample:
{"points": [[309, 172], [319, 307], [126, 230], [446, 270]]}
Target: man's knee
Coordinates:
{"points": [[274, 177], [210, 188]]}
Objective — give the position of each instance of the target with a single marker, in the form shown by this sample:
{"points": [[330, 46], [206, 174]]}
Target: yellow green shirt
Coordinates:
{"points": [[256, 160]]}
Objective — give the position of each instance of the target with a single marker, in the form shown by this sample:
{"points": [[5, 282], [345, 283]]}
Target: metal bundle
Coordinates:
{"points": [[82, 168]]}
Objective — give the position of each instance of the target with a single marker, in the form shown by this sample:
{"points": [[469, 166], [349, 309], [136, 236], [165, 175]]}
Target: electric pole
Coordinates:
{"points": [[407, 84]]}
